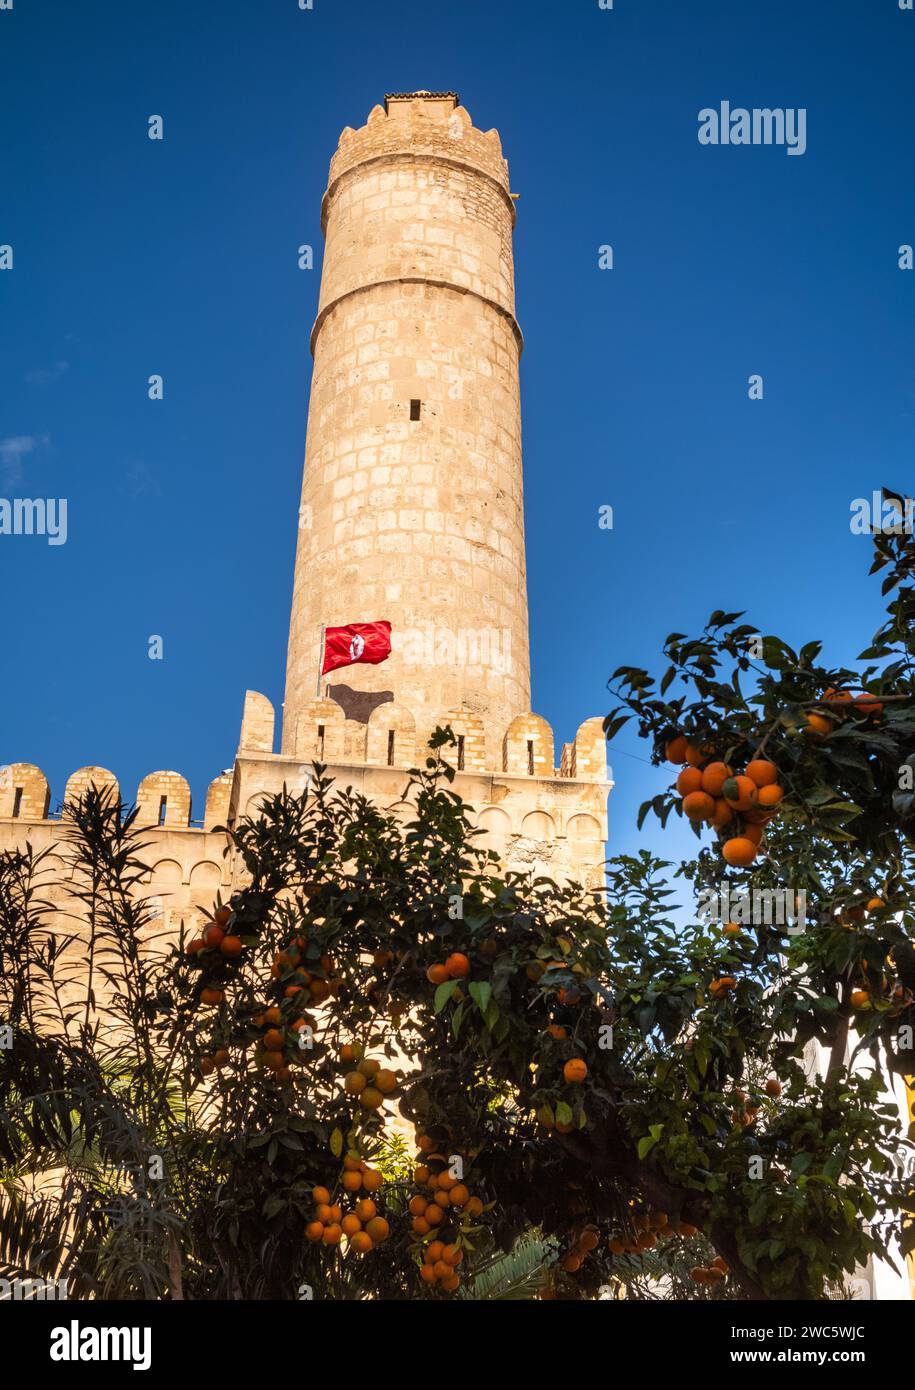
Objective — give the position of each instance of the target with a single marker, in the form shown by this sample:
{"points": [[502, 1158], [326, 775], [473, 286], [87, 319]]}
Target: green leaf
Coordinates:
{"points": [[481, 993], [336, 1142], [442, 995], [646, 1144]]}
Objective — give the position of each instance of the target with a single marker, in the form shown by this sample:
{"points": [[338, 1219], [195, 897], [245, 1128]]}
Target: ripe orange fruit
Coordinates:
{"points": [[572, 1263], [352, 1163], [868, 703], [207, 1066], [420, 1174], [352, 1182], [452, 1255], [378, 1229], [319, 990], [273, 1060], [721, 1264], [457, 965], [273, 1015], [556, 1030], [365, 1209], [575, 1070], [427, 1274], [435, 1251], [352, 1052], [690, 780], [723, 814], [434, 1214], [860, 999], [589, 1240], [333, 1234], [354, 1082], [386, 1081], [314, 1231], [818, 725], [369, 1067], [372, 1179], [371, 1098], [420, 1225], [617, 1246], [212, 996], [714, 778], [753, 833], [875, 904], [675, 752], [696, 756], [221, 1056], [739, 792], [739, 851], [770, 795], [273, 1040], [193, 947], [731, 929], [773, 1087], [213, 935], [687, 1231], [425, 1144], [459, 1195], [417, 1205], [362, 1243], [320, 1196], [698, 1274], [698, 806], [714, 1275], [350, 1224], [762, 772], [437, 974], [221, 916], [474, 1207]]}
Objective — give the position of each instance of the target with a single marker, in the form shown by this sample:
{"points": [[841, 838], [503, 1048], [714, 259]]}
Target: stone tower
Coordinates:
{"points": [[411, 512], [412, 495]]}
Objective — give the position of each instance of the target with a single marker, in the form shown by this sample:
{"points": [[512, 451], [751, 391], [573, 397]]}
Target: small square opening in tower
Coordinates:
{"points": [[415, 409]]}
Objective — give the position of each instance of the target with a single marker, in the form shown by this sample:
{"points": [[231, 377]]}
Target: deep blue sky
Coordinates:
{"points": [[133, 257]]}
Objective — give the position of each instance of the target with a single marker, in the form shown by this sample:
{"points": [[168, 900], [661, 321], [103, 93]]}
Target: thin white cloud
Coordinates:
{"points": [[13, 450], [44, 376]]}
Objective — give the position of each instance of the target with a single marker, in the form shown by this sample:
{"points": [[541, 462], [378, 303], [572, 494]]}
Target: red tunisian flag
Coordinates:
{"points": [[366, 642]]}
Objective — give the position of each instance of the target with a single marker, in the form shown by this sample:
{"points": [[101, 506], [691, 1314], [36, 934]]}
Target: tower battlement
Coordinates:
{"points": [[418, 126]]}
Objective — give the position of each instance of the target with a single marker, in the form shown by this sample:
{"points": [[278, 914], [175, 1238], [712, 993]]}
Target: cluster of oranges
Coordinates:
{"points": [[715, 1273], [439, 1266], [587, 1240], [745, 1112], [821, 722], [288, 970], [274, 1045], [737, 805], [362, 1227], [647, 1227], [369, 1082], [444, 1209], [456, 967], [213, 951]]}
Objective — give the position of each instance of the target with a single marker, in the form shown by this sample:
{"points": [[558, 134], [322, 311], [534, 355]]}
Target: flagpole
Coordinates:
{"points": [[320, 663]]}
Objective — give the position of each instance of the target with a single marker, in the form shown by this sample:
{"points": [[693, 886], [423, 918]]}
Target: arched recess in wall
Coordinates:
{"points": [[494, 821], [538, 825], [206, 874]]}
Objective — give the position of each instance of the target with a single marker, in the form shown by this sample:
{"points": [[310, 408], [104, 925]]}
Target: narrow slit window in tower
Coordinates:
{"points": [[163, 807], [390, 747], [530, 757], [320, 743], [415, 408], [17, 803], [460, 752]]}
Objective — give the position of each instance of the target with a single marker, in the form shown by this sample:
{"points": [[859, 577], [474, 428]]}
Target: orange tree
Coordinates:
{"points": [[567, 1059]]}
